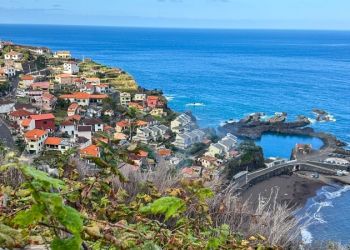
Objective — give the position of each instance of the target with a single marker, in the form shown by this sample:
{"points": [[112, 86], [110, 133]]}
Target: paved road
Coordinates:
{"points": [[5, 135]]}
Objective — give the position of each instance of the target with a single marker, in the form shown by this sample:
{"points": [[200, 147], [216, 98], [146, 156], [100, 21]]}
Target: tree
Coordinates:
{"points": [[251, 158]]}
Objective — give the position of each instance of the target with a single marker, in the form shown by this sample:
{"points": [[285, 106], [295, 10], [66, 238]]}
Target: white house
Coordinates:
{"points": [[13, 55], [95, 123], [182, 123], [62, 54], [223, 147], [84, 131], [70, 67], [35, 140], [187, 139], [154, 133], [125, 98], [139, 97], [337, 161], [68, 127], [9, 71]]}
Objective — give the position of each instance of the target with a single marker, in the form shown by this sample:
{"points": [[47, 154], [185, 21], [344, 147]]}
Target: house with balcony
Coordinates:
{"points": [[63, 54], [71, 67], [187, 139], [124, 98], [57, 144], [95, 123], [35, 140], [182, 123], [223, 147], [13, 55]]}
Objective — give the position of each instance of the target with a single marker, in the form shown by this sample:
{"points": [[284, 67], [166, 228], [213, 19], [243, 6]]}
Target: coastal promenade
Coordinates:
{"points": [[286, 168]]}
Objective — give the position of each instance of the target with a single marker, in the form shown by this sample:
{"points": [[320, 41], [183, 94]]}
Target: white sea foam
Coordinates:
{"points": [[336, 194], [306, 236], [312, 121], [169, 97], [195, 104], [314, 214]]}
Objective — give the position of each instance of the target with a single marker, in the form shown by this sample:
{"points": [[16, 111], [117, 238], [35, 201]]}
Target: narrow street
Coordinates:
{"points": [[5, 135]]}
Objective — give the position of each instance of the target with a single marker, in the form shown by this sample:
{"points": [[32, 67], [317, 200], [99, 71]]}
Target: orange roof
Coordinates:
{"points": [[141, 123], [164, 152], [152, 97], [83, 95], [53, 141], [42, 117], [40, 85], [142, 153], [91, 150], [135, 105], [64, 75], [92, 79], [123, 124], [67, 123], [101, 139], [48, 96], [107, 128], [73, 106], [208, 158], [34, 134], [102, 96], [188, 171], [20, 112], [26, 122], [120, 136], [27, 77], [73, 117]]}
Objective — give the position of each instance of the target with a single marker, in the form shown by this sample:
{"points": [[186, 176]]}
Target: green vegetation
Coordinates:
{"points": [[110, 211], [252, 158]]}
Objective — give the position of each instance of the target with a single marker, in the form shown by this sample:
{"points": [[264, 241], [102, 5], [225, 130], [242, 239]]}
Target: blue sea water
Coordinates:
{"points": [[282, 145], [225, 74]]}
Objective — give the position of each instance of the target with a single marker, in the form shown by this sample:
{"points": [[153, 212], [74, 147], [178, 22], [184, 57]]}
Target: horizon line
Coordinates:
{"points": [[176, 27]]}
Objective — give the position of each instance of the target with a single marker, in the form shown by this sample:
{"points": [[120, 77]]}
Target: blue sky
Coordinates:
{"points": [[275, 14]]}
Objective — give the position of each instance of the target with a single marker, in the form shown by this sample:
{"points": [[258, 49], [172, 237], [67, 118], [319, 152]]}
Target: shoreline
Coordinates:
{"points": [[294, 190]]}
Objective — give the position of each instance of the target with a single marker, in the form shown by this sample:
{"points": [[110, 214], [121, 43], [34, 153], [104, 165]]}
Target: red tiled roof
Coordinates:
{"points": [[34, 134], [47, 95], [83, 95], [42, 117], [73, 106], [64, 75], [67, 123], [73, 118], [164, 152], [141, 123], [123, 124], [53, 141], [142, 153], [101, 96], [152, 98], [27, 77], [40, 85], [26, 122], [20, 112], [91, 150]]}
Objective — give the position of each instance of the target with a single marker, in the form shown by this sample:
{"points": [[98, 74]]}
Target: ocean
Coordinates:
{"points": [[226, 74]]}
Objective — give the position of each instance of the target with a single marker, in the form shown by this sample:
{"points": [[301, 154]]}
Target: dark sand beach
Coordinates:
{"points": [[293, 190]]}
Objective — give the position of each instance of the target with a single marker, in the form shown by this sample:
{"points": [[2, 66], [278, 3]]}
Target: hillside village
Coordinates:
{"points": [[53, 103]]}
